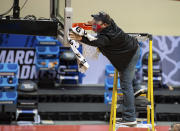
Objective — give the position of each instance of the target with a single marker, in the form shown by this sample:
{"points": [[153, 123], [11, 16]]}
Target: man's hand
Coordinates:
{"points": [[90, 22], [74, 36]]}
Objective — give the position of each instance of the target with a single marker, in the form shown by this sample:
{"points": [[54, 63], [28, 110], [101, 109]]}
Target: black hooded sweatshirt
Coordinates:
{"points": [[116, 45]]}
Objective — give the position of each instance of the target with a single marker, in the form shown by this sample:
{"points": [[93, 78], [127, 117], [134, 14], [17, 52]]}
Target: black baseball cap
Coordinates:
{"points": [[102, 16]]}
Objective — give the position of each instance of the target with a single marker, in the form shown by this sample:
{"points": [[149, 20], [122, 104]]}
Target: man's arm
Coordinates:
{"points": [[99, 42]]}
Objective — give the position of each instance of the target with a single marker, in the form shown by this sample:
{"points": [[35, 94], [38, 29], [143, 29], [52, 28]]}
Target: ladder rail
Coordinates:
{"points": [[150, 82], [114, 103]]}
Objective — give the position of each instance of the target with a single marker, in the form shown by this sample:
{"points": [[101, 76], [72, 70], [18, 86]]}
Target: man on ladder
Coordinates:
{"points": [[123, 52]]}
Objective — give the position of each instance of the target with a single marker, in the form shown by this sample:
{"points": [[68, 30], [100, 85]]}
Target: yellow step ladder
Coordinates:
{"points": [[150, 108]]}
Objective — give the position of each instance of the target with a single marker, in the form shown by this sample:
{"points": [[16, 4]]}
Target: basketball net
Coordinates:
{"points": [[82, 62], [89, 52]]}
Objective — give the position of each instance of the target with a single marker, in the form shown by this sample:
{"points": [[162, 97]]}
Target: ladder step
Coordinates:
{"points": [[141, 119], [121, 94], [137, 119], [149, 126]]}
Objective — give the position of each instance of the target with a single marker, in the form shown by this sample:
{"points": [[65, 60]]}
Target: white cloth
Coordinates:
{"points": [[82, 62]]}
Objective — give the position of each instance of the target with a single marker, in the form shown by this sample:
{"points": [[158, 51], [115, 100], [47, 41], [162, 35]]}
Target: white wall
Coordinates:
{"points": [[39, 8], [159, 17]]}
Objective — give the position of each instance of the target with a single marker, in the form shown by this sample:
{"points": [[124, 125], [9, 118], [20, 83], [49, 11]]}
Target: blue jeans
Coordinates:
{"points": [[126, 79]]}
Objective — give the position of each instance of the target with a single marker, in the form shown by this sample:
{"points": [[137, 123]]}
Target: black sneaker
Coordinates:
{"points": [[126, 123], [140, 91]]}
